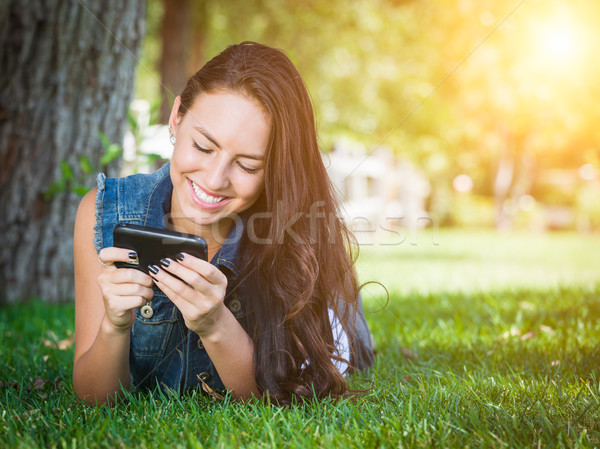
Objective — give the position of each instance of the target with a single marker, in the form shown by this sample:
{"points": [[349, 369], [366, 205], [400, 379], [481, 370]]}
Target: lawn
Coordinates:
{"points": [[487, 340]]}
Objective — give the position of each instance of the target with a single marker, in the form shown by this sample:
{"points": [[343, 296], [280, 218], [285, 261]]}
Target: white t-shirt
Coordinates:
{"points": [[340, 339]]}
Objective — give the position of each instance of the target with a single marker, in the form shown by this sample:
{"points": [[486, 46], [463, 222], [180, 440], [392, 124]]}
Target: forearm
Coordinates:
{"points": [[232, 352], [101, 372]]}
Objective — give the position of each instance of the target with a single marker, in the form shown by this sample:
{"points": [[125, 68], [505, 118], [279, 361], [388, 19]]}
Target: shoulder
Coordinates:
{"points": [[85, 220], [133, 192], [140, 198], [87, 207], [143, 180], [137, 183]]}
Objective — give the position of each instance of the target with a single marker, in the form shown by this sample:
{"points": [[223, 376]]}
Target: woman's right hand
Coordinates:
{"points": [[123, 289]]}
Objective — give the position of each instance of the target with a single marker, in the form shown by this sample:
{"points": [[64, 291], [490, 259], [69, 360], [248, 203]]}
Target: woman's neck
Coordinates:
{"points": [[214, 234]]}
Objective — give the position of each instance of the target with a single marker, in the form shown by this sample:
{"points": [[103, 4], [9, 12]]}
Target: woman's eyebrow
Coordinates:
{"points": [[209, 136]]}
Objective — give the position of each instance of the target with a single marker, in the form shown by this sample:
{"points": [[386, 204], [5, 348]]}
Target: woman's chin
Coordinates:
{"points": [[194, 223]]}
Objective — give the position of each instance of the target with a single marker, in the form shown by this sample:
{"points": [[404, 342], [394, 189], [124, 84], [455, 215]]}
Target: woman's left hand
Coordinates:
{"points": [[198, 293]]}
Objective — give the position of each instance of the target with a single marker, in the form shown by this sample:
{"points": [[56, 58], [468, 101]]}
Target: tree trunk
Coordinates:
{"points": [[175, 34], [502, 184], [196, 57], [67, 75], [504, 177]]}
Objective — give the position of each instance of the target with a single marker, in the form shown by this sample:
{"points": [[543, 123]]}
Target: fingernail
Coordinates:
{"points": [[179, 256], [165, 262], [153, 269], [133, 255]]}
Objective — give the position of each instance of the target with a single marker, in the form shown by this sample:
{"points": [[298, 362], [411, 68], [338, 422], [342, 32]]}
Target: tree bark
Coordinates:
{"points": [[196, 57], [175, 35], [67, 75]]}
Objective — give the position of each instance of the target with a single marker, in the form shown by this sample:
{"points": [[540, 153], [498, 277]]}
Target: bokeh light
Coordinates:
{"points": [[558, 41], [587, 172], [462, 183]]}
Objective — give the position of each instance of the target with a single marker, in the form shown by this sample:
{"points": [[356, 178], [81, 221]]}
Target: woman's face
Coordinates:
{"points": [[218, 161]]}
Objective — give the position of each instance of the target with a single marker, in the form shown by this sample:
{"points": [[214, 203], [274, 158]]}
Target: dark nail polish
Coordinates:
{"points": [[179, 256], [133, 255], [165, 262], [153, 269]]}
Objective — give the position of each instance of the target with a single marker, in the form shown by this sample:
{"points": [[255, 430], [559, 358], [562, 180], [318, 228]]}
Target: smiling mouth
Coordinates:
{"points": [[206, 197]]}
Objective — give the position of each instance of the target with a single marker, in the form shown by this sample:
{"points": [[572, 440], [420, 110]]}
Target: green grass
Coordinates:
{"points": [[488, 340]]}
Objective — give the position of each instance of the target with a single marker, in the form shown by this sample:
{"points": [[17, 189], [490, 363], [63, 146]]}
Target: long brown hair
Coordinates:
{"points": [[306, 265]]}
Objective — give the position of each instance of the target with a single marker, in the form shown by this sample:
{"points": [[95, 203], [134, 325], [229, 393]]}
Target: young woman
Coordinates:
{"points": [[277, 308]]}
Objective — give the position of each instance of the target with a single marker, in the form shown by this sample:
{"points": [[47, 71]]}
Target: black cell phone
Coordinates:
{"points": [[153, 244]]}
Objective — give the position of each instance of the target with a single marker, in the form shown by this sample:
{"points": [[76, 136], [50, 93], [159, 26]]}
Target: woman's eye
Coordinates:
{"points": [[199, 148], [248, 169]]}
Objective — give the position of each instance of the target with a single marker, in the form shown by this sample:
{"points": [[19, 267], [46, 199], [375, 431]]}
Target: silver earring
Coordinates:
{"points": [[172, 139]]}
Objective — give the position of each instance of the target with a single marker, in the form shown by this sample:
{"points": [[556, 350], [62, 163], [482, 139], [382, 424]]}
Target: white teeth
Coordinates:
{"points": [[204, 197]]}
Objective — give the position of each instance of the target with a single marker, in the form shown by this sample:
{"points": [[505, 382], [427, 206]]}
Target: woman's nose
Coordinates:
{"points": [[218, 174]]}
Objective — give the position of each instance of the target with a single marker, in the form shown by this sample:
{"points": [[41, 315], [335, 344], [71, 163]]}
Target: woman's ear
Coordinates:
{"points": [[174, 117]]}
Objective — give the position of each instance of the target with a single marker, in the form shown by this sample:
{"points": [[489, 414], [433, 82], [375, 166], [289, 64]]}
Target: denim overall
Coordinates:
{"points": [[163, 351]]}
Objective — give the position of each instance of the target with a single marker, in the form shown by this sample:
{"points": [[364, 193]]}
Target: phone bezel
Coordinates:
{"points": [[152, 244]]}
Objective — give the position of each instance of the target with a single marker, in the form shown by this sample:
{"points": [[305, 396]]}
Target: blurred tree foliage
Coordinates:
{"points": [[480, 87]]}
